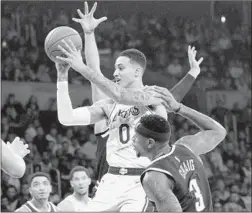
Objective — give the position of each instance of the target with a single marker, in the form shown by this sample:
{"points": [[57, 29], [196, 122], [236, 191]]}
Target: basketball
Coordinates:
{"points": [[55, 37]]}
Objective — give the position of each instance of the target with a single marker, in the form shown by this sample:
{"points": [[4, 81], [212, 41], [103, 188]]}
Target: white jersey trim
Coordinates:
{"points": [[29, 210], [50, 206], [164, 156]]}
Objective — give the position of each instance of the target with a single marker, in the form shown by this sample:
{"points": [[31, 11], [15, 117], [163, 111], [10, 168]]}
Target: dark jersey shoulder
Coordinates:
{"points": [[101, 163], [191, 185]]}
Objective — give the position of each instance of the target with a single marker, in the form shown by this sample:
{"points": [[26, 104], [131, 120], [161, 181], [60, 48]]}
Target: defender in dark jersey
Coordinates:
{"points": [[175, 180], [40, 189]]}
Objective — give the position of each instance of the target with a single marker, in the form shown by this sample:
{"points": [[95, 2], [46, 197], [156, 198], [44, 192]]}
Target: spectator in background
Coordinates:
{"points": [[40, 141], [221, 192], [174, 68], [13, 198], [219, 111], [246, 169], [25, 194]]}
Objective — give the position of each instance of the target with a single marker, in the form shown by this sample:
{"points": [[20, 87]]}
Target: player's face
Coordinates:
{"points": [[40, 188], [140, 144], [80, 182], [125, 72]]}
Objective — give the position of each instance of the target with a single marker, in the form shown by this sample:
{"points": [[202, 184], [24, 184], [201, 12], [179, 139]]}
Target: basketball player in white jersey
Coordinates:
{"points": [[89, 23], [12, 161], [78, 201], [120, 189], [40, 189]]}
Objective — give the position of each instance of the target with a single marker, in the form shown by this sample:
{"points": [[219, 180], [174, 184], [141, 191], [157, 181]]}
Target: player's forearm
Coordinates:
{"points": [[66, 114], [204, 122], [64, 104], [93, 61], [12, 163], [118, 94], [91, 52], [183, 86]]}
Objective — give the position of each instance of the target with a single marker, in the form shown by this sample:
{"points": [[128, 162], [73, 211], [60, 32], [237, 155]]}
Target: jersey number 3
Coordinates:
{"points": [[124, 133], [193, 186]]}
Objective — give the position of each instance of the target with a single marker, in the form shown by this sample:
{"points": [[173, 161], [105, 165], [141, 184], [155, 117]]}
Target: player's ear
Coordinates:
{"points": [[71, 183], [138, 72], [151, 143], [30, 191], [89, 181], [50, 188]]}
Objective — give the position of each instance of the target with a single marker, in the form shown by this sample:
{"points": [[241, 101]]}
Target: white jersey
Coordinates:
{"points": [[121, 123], [70, 203]]}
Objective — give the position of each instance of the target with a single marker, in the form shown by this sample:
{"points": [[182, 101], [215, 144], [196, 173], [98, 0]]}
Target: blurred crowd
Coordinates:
{"points": [[56, 149]]}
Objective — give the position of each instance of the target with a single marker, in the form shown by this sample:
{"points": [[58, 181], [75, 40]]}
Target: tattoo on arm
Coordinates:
{"points": [[117, 93], [158, 187]]}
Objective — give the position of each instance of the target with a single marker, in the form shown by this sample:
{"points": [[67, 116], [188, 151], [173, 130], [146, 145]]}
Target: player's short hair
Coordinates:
{"points": [[158, 125], [78, 169], [39, 174], [136, 56]]}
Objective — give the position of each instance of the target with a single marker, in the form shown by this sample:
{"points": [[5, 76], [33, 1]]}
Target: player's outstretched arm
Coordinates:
{"points": [[88, 24], [158, 187], [212, 132], [12, 158], [66, 114], [183, 86], [144, 97], [206, 140]]}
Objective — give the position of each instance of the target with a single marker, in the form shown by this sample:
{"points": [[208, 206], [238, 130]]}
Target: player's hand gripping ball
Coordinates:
{"points": [[55, 37]]}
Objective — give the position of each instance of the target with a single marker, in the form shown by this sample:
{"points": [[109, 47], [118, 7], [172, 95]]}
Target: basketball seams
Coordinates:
{"points": [[61, 39], [49, 38], [55, 38]]}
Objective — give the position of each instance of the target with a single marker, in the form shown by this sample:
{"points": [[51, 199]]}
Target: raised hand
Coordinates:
{"points": [[194, 64], [168, 100], [165, 96], [73, 56], [87, 21], [18, 147]]}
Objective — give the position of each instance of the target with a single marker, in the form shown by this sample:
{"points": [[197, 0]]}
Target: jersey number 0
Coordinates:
{"points": [[124, 133]]}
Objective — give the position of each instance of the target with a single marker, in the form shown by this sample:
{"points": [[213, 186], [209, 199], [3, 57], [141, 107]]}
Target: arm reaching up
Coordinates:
{"points": [[66, 114], [211, 134], [88, 24], [183, 86]]}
